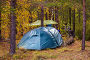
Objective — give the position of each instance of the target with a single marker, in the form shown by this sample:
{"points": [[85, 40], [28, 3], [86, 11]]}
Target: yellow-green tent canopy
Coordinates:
{"points": [[46, 22]]}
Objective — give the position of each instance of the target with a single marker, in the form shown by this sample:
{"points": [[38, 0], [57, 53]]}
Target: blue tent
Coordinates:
{"points": [[41, 38]]}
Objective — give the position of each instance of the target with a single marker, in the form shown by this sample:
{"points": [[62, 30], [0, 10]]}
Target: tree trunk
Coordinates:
{"points": [[56, 17], [13, 27], [70, 17], [50, 13], [0, 22], [74, 23], [42, 16], [84, 26], [46, 16], [53, 14], [21, 29], [30, 21], [53, 17], [0, 19], [38, 15]]}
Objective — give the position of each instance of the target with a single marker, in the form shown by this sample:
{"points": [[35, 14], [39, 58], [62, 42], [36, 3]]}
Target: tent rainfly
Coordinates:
{"points": [[46, 22]]}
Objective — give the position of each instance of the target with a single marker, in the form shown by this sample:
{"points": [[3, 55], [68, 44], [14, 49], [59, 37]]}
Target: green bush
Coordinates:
{"points": [[88, 30], [79, 31]]}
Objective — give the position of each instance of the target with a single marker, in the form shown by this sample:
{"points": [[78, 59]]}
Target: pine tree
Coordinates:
{"points": [[84, 26], [0, 21], [74, 23], [46, 16], [13, 27], [42, 16], [70, 17], [56, 16]]}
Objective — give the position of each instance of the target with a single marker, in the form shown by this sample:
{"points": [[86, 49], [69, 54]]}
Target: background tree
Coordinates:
{"points": [[2, 4], [24, 17], [70, 17], [13, 27], [84, 26], [74, 23], [46, 16], [42, 16], [56, 16], [0, 19]]}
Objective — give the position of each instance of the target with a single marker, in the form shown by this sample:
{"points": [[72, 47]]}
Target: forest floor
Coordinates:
{"points": [[71, 52]]}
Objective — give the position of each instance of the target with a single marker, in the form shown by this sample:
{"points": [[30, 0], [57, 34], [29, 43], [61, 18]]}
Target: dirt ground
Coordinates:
{"points": [[71, 52], [4, 48], [75, 52]]}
